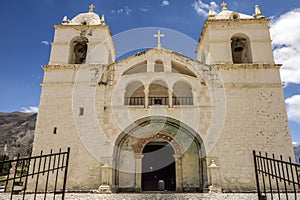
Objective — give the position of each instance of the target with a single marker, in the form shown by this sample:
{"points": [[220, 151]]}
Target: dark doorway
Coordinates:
{"points": [[158, 167]]}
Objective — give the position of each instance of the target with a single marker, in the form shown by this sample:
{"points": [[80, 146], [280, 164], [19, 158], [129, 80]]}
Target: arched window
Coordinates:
{"points": [[138, 68], [158, 66], [240, 49], [134, 94], [158, 93], [78, 50], [182, 94]]}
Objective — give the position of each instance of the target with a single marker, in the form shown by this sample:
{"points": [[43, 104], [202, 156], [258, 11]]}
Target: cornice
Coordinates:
{"points": [[253, 85], [247, 66], [70, 66], [68, 84], [80, 27]]}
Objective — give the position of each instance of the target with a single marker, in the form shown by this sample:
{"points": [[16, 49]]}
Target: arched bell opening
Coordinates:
{"points": [[78, 50], [241, 49]]}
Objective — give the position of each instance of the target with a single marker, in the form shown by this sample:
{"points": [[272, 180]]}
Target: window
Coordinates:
{"points": [[158, 66], [55, 130], [81, 111]]}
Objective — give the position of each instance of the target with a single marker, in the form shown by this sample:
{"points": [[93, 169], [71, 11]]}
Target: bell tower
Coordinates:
{"points": [[234, 38], [85, 39]]}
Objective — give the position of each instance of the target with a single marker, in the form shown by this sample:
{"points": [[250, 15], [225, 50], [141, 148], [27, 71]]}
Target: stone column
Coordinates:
{"points": [[170, 98], [138, 172], [178, 169], [146, 91]]}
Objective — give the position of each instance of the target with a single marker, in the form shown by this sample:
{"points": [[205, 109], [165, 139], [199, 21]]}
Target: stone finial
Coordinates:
{"points": [[211, 13], [213, 164], [102, 20], [65, 19], [91, 8], [224, 6], [258, 13]]}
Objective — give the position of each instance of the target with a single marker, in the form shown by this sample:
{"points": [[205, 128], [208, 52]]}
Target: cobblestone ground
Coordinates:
{"points": [[148, 196]]}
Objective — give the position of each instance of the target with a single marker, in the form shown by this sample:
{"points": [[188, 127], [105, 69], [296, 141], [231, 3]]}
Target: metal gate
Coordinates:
{"points": [[44, 175], [276, 178]]}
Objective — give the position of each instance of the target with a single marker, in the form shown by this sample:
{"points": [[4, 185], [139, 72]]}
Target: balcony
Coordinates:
{"points": [[158, 101]]}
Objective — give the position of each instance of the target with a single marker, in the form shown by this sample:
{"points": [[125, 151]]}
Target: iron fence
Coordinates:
{"points": [[276, 178], [43, 174]]}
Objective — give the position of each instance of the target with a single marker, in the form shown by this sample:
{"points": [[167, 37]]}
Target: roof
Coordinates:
{"points": [[88, 18], [226, 14]]}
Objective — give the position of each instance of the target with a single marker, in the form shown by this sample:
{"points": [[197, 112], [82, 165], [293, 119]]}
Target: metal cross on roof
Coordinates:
{"points": [[92, 8], [158, 36], [224, 5]]}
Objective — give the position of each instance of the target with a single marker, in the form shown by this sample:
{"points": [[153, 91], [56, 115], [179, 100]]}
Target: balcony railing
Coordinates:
{"points": [[134, 101], [182, 101], [157, 101]]}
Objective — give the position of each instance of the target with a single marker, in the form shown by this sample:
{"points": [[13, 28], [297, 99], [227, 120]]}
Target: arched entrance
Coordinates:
{"points": [[158, 167], [155, 149]]}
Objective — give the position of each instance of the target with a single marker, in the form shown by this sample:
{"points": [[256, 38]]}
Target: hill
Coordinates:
{"points": [[16, 133], [297, 151]]}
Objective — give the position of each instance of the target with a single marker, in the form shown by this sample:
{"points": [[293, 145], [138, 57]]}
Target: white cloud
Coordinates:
{"points": [[30, 109], [293, 108], [202, 8], [285, 33], [165, 3], [214, 6], [45, 42], [126, 10], [144, 9]]}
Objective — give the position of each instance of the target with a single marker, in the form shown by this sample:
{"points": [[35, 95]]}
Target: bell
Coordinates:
{"points": [[238, 46]]}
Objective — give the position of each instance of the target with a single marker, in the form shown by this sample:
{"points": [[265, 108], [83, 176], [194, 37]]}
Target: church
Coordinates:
{"points": [[158, 120]]}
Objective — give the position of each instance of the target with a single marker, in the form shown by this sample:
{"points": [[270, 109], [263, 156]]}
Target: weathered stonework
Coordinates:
{"points": [[212, 111]]}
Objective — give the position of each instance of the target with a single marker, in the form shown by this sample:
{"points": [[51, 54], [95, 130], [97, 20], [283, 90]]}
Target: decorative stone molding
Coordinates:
{"points": [[248, 66], [47, 68], [252, 85], [159, 136]]}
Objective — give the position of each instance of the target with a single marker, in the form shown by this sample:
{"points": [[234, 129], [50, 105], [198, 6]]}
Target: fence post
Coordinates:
{"points": [[66, 174], [256, 175]]}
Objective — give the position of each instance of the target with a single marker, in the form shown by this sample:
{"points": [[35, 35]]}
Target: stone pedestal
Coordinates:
{"points": [[105, 187], [213, 181]]}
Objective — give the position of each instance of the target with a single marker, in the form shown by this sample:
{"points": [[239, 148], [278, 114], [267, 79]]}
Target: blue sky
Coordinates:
{"points": [[27, 30]]}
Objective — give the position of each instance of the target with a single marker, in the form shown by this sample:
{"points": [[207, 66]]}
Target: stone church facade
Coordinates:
{"points": [[159, 120]]}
